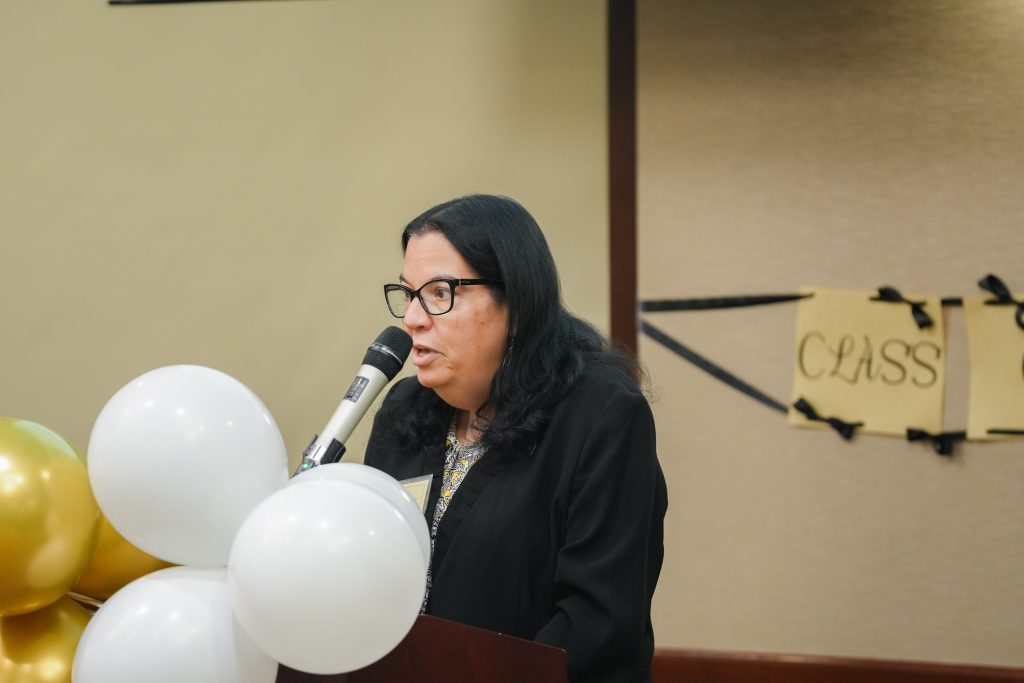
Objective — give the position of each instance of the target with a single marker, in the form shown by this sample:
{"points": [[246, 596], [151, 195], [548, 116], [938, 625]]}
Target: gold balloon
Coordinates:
{"points": [[39, 647], [115, 563], [48, 516]]}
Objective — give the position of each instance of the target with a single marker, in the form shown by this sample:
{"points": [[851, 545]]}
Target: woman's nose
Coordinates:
{"points": [[415, 316]]}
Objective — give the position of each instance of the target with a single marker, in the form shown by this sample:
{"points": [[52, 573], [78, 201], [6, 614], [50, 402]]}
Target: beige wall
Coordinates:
{"points": [[225, 183], [853, 145]]}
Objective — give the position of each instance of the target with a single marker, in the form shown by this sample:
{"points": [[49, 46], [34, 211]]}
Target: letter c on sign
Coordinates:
{"points": [[800, 355]]}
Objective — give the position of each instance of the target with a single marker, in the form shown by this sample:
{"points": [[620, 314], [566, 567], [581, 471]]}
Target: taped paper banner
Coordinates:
{"points": [[995, 406], [868, 361]]}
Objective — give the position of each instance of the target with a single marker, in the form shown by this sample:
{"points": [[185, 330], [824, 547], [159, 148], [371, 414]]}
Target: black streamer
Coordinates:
{"points": [[845, 429], [992, 284], [892, 295], [942, 443], [710, 303], [741, 301], [709, 367]]}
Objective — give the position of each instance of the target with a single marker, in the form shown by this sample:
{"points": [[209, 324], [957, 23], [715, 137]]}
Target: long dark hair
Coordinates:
{"points": [[547, 348]]}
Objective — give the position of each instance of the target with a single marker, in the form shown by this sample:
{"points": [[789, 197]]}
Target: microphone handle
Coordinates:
{"points": [[329, 445]]}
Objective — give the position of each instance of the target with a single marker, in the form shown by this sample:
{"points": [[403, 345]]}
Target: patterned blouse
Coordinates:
{"points": [[458, 458]]}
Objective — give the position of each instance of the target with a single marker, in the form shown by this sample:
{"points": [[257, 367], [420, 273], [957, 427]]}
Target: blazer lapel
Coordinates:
{"points": [[433, 463], [479, 477]]}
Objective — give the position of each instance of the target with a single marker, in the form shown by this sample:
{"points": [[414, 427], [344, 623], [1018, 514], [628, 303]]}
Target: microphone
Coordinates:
{"points": [[382, 361]]}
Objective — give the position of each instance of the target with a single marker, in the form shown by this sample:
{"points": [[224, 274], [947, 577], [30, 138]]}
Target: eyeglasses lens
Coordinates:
{"points": [[436, 296], [398, 301]]}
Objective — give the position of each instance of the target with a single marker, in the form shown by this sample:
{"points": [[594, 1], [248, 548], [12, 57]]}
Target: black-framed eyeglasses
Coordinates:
{"points": [[436, 296]]}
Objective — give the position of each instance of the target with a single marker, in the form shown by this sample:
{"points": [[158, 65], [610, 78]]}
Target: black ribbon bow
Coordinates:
{"points": [[990, 283], [942, 443], [892, 295], [845, 429]]}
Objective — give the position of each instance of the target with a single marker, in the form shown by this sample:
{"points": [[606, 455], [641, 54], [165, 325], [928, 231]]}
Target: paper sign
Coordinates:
{"points": [[867, 361], [419, 489], [996, 351]]}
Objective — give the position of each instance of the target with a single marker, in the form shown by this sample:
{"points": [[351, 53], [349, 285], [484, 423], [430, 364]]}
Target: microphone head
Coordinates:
{"points": [[388, 351]]}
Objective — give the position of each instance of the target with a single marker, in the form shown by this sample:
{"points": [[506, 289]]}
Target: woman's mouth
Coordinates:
{"points": [[423, 355]]}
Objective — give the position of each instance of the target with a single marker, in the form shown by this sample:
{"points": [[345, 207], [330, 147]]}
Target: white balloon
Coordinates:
{"points": [[382, 483], [326, 576], [170, 626], [178, 458]]}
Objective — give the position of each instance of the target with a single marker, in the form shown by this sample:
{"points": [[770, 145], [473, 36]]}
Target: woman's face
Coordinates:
{"points": [[456, 354]]}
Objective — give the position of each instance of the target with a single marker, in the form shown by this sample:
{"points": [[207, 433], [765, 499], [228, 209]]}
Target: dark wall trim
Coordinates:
{"points": [[673, 665], [153, 2], [622, 170]]}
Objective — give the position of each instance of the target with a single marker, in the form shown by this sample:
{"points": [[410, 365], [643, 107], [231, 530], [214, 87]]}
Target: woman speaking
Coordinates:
{"points": [[547, 501]]}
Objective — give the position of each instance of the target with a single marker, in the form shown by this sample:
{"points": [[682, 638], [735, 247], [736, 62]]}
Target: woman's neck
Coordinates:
{"points": [[465, 430]]}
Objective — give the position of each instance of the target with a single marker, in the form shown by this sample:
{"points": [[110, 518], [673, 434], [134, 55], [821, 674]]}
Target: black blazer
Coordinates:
{"points": [[562, 545]]}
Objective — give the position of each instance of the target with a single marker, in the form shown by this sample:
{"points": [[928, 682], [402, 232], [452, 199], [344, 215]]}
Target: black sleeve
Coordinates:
{"points": [[612, 551]]}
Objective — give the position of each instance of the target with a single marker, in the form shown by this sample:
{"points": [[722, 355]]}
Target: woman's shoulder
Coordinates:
{"points": [[602, 389], [606, 379]]}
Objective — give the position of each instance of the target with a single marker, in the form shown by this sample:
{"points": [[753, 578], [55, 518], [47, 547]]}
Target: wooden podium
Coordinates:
{"points": [[437, 650]]}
